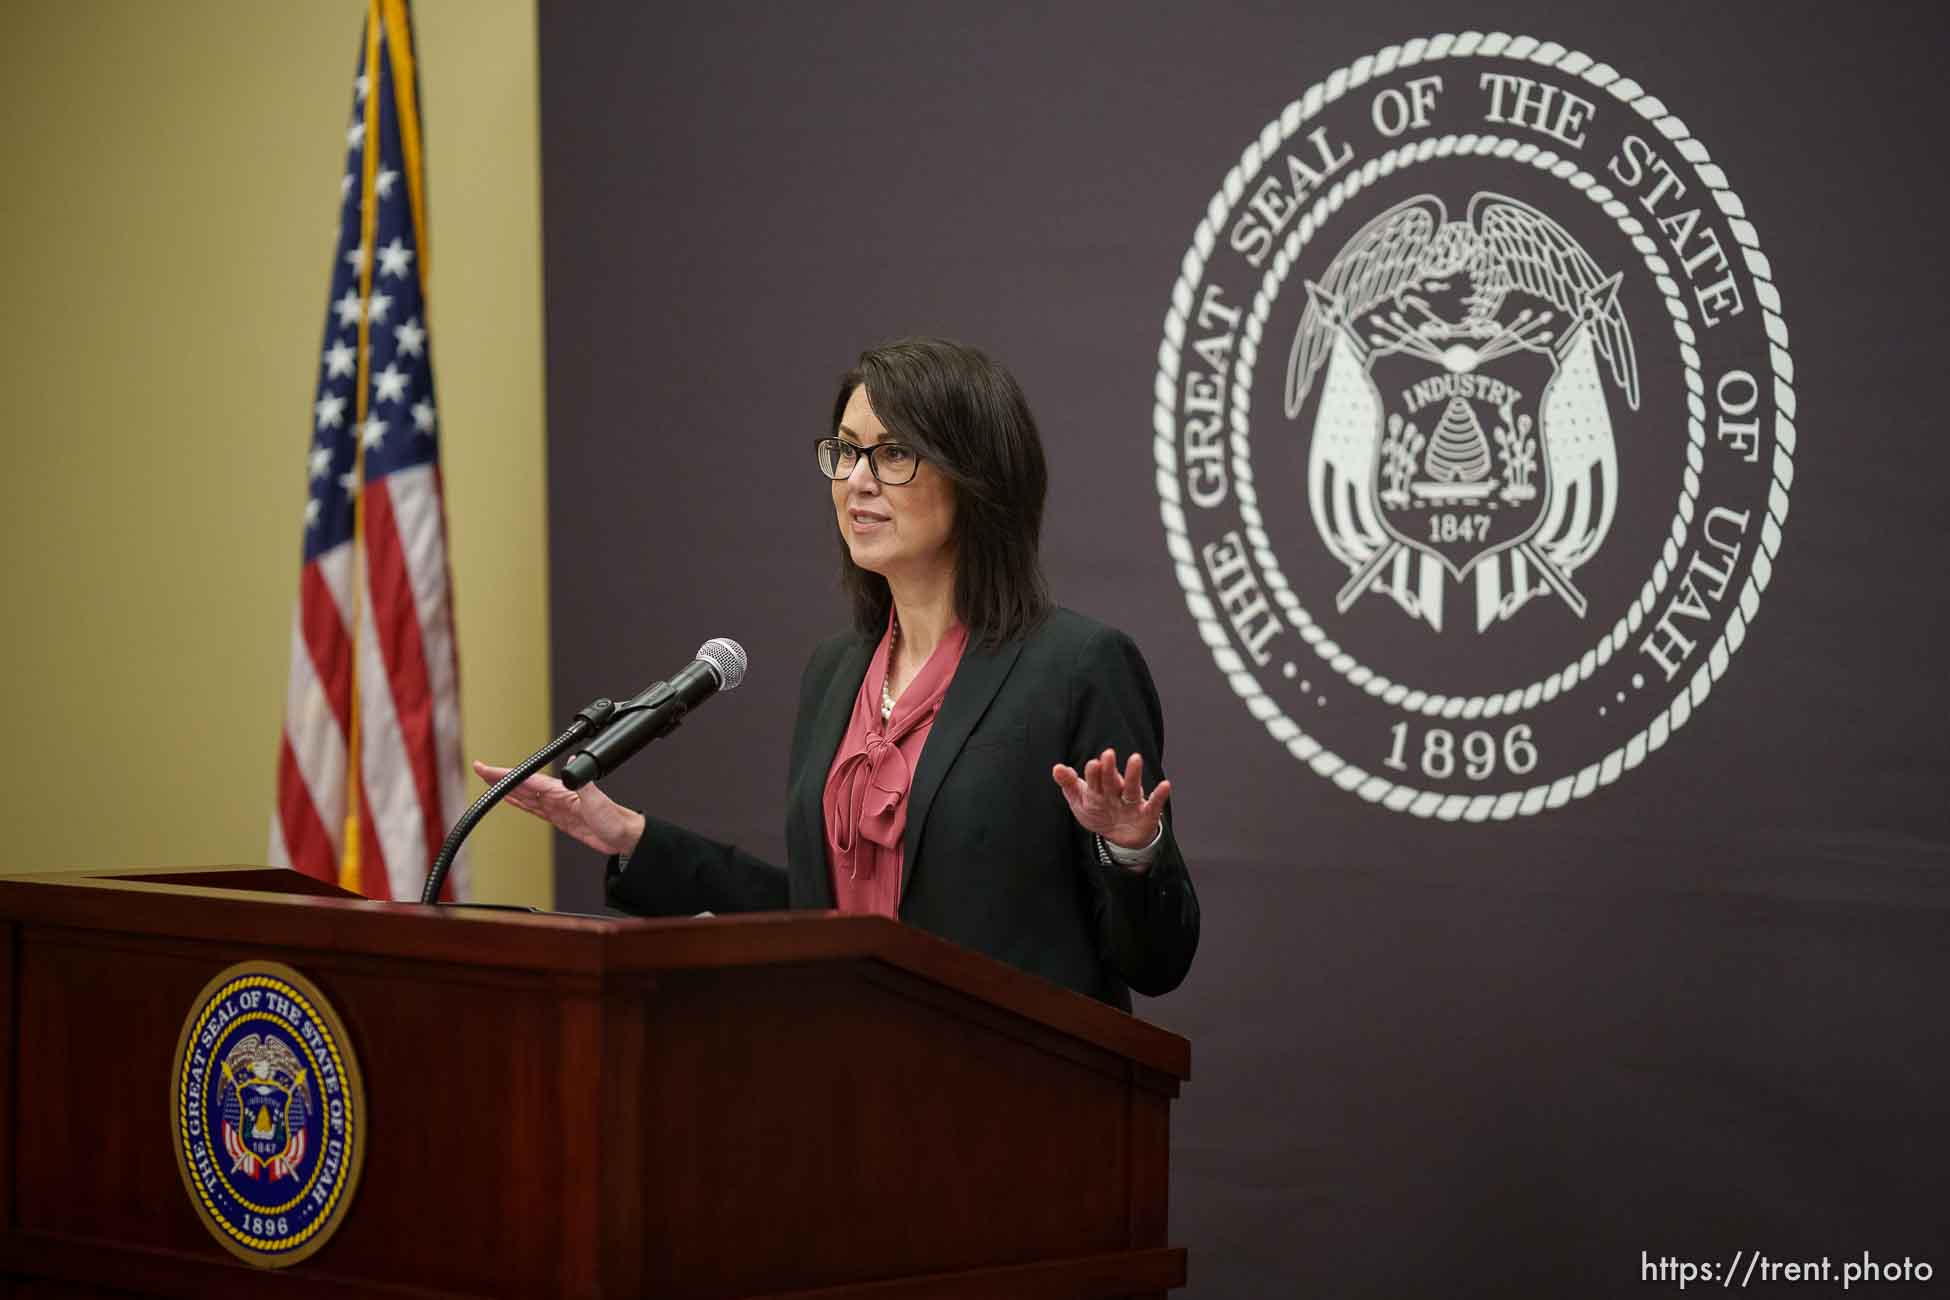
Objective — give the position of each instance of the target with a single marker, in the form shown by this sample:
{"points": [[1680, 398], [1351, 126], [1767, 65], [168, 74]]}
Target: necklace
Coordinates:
{"points": [[887, 679]]}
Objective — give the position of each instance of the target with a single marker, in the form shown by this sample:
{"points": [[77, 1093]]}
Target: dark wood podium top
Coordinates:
{"points": [[223, 903]]}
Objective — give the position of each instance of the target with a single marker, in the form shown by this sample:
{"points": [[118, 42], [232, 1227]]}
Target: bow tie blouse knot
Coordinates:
{"points": [[882, 813], [867, 787], [867, 799]]}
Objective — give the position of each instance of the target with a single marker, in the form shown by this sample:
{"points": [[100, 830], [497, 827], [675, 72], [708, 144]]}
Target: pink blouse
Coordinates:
{"points": [[866, 788]]}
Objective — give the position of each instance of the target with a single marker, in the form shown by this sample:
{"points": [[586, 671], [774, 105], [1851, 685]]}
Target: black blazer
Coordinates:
{"points": [[992, 858]]}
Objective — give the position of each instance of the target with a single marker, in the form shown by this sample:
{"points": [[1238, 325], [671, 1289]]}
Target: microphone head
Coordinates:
{"points": [[727, 660]]}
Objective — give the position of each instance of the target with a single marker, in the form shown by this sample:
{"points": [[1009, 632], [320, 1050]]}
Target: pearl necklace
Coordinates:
{"points": [[887, 679]]}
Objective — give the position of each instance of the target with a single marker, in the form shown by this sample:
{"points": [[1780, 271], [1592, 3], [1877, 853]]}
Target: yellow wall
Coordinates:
{"points": [[168, 187]]}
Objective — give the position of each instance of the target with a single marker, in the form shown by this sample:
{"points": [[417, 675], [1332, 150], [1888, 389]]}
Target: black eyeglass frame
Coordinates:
{"points": [[873, 459]]}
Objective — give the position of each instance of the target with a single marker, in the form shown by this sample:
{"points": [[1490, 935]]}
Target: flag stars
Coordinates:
{"points": [[423, 416], [383, 182], [377, 308], [331, 411], [312, 511], [410, 338], [345, 186], [362, 86], [355, 135], [389, 385], [340, 359], [348, 309], [349, 483], [372, 433], [321, 461], [356, 259], [396, 258]]}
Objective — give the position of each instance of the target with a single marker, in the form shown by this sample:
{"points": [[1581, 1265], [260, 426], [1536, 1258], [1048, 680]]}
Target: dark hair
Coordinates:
{"points": [[967, 416]]}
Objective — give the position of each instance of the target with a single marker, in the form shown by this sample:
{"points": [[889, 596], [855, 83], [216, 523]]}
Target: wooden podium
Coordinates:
{"points": [[800, 1105]]}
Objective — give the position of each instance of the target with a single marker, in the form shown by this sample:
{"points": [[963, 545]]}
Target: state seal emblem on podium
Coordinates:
{"points": [[269, 1112], [1474, 426]]}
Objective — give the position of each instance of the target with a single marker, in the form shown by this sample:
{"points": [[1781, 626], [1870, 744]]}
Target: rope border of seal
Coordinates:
{"points": [[1482, 807]]}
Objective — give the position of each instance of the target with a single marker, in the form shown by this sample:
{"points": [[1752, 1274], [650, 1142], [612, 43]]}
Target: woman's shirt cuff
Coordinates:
{"points": [[1130, 859]]}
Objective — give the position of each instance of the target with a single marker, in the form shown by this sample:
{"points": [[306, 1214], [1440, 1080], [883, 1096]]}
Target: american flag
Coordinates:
{"points": [[373, 666]]}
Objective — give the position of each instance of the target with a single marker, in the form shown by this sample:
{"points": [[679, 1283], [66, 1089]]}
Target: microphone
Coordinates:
{"points": [[719, 666]]}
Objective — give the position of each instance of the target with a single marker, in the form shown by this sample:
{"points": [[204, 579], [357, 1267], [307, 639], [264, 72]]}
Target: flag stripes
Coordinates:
{"points": [[369, 770]]}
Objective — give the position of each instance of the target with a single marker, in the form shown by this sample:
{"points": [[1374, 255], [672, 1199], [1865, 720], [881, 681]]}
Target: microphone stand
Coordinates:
{"points": [[590, 720]]}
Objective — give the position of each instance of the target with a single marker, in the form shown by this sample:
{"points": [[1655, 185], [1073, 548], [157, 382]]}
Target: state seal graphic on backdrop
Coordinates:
{"points": [[269, 1112], [1474, 421]]}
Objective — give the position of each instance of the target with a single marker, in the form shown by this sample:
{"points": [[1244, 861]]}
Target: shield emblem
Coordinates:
{"points": [[1461, 472], [265, 1105], [1443, 350], [264, 1131]]}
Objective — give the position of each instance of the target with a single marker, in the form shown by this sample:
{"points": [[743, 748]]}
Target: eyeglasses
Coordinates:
{"points": [[892, 463]]}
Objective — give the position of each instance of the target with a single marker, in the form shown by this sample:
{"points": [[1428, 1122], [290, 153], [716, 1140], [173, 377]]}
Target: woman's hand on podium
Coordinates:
{"points": [[587, 815]]}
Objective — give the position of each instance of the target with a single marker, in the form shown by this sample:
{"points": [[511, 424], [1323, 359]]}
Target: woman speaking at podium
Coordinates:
{"points": [[968, 758]]}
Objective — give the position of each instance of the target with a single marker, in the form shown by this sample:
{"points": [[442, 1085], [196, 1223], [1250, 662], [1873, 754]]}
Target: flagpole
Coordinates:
{"points": [[350, 870], [399, 45], [405, 82]]}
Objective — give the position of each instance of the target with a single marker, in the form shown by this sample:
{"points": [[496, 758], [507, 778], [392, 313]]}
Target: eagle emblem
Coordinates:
{"points": [[1463, 430]]}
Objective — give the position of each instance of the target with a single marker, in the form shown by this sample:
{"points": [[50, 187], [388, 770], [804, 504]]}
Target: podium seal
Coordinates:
{"points": [[269, 1111], [1474, 426]]}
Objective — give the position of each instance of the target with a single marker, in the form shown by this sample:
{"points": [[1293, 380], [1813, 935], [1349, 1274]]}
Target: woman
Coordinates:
{"points": [[935, 772]]}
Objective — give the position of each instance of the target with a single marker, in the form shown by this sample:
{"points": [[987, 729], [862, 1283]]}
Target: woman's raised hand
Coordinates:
{"points": [[588, 814], [1110, 801]]}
